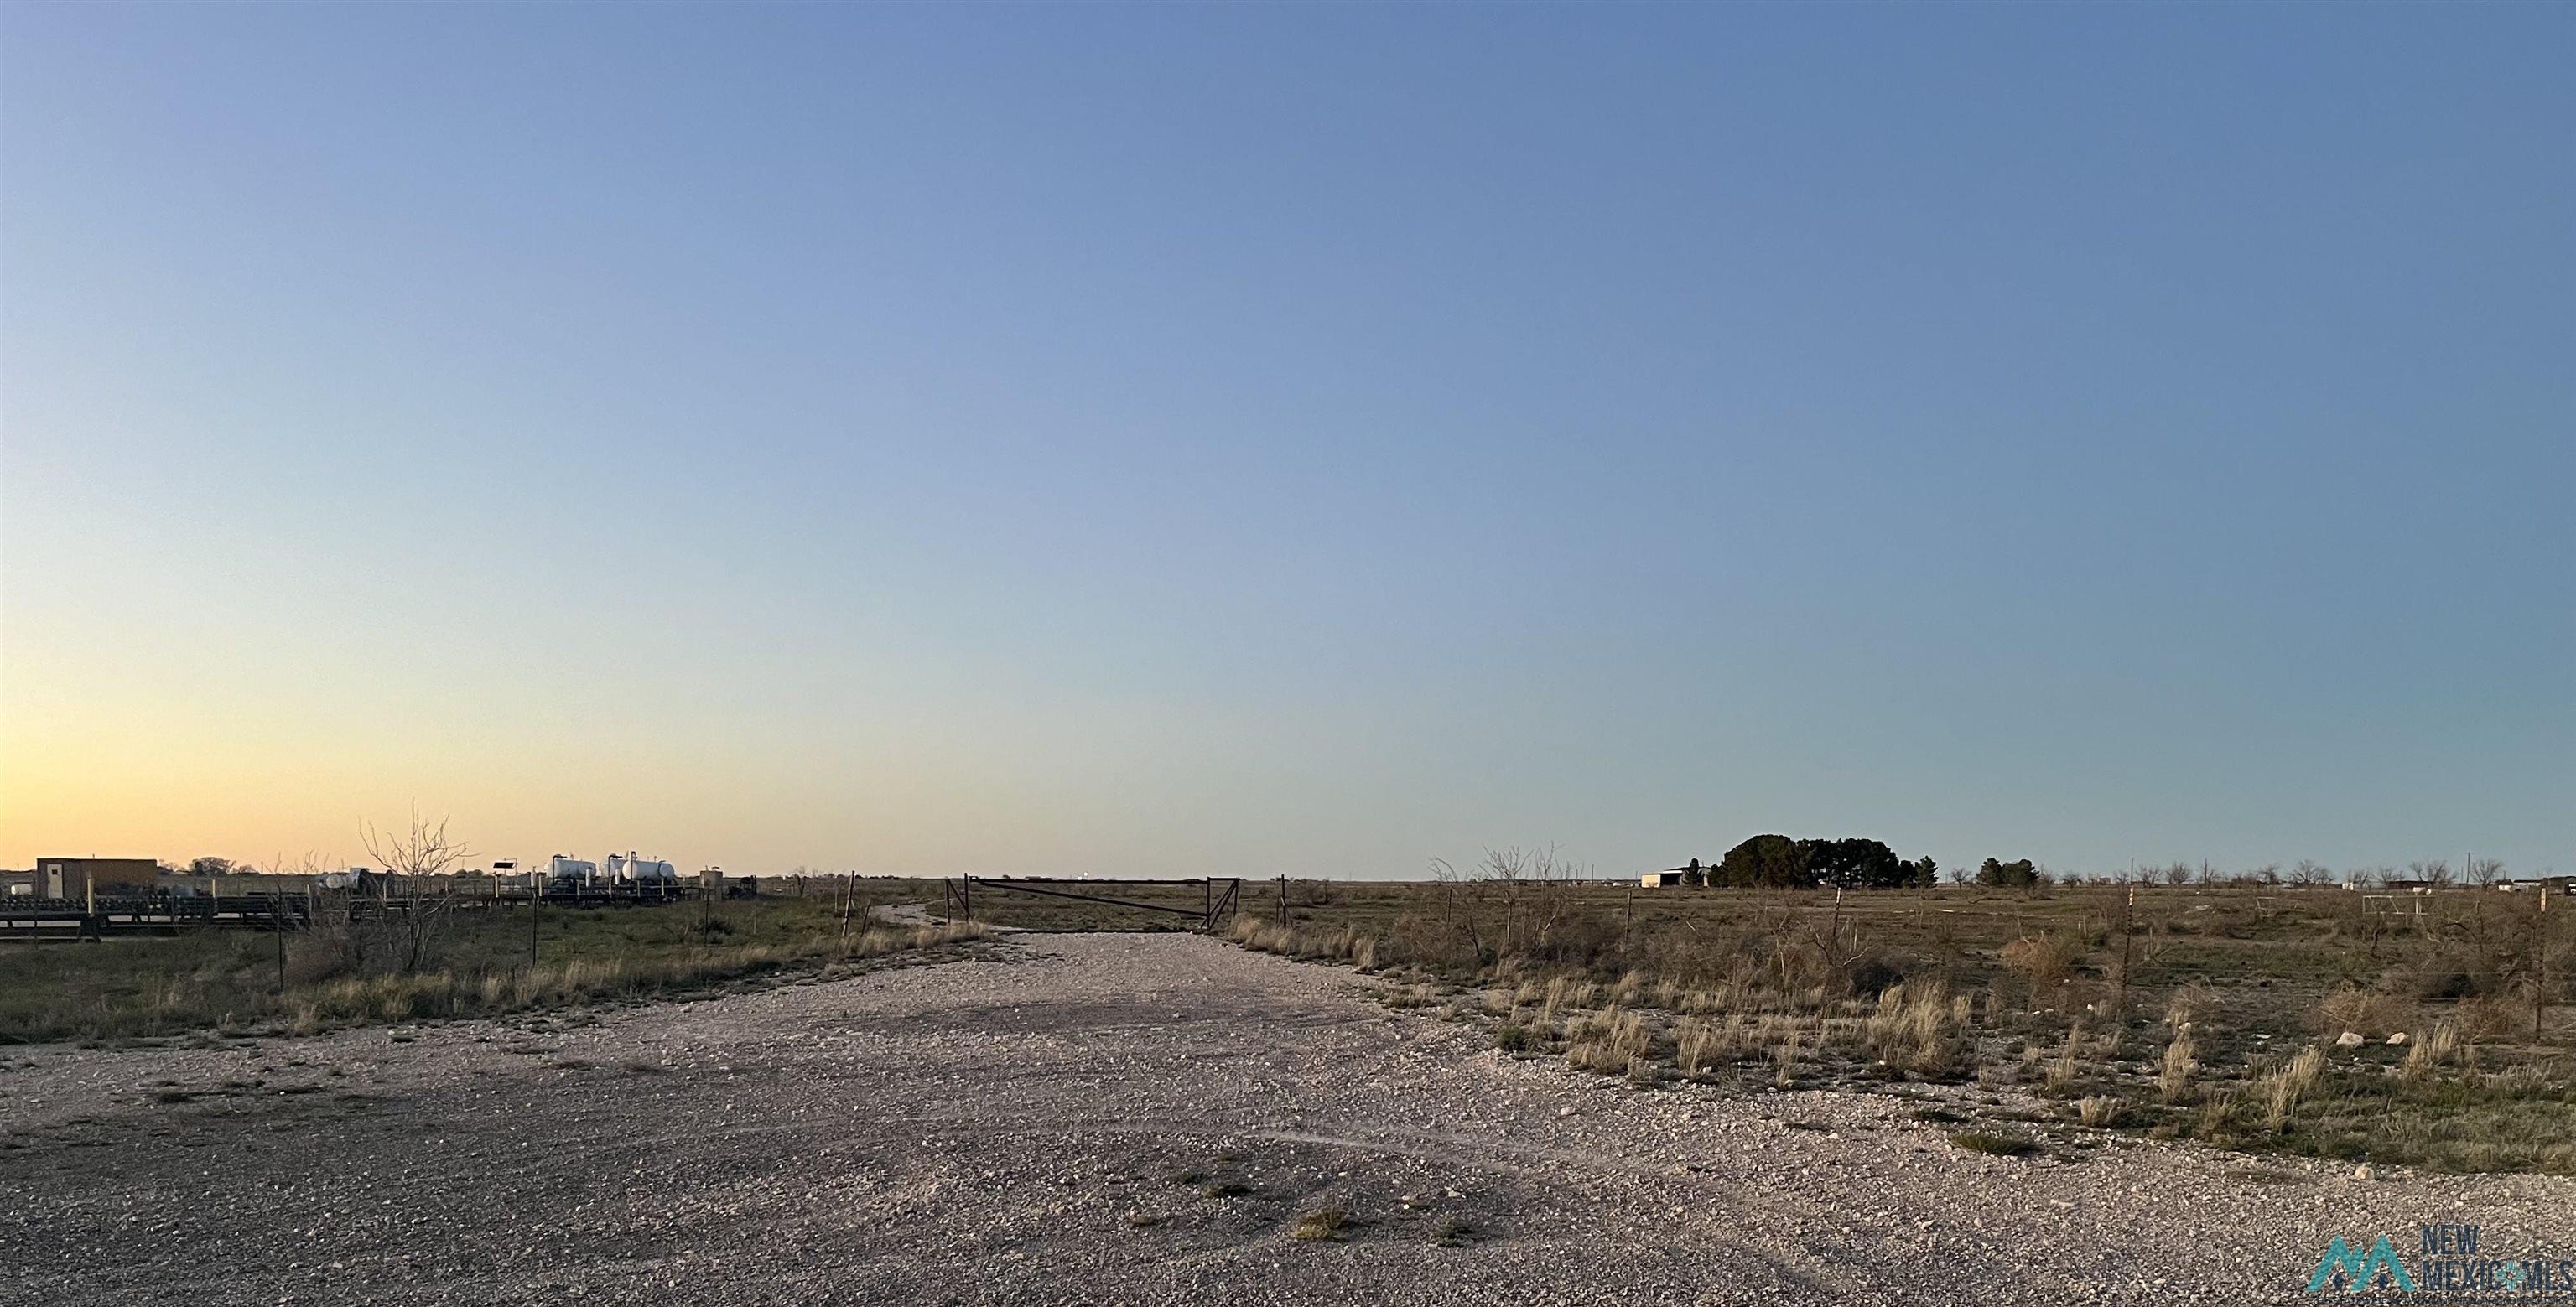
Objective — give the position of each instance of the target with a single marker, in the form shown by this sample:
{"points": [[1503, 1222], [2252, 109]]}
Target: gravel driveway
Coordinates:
{"points": [[1092, 1119]]}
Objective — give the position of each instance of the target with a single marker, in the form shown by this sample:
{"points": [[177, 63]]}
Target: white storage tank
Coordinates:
{"points": [[641, 871], [571, 870]]}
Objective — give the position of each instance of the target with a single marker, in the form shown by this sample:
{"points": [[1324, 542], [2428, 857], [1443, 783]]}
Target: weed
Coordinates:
{"points": [[1324, 1224], [1994, 1145]]}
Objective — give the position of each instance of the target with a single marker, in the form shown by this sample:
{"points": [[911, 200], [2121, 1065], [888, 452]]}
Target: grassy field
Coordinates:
{"points": [[2431, 1030], [477, 962], [2411, 1029]]}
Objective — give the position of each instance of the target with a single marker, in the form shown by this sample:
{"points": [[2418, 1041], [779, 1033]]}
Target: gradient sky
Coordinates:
{"points": [[1312, 440]]}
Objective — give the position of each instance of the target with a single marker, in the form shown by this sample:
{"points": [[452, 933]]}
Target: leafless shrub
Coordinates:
{"points": [[2486, 1020]]}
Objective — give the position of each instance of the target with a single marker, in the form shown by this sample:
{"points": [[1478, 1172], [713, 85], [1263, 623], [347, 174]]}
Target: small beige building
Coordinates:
{"points": [[75, 878]]}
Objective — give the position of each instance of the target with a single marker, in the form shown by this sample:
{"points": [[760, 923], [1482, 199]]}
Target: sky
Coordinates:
{"points": [[1304, 440]]}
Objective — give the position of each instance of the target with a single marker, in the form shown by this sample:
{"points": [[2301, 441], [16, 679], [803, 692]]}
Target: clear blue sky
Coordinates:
{"points": [[1308, 439]]}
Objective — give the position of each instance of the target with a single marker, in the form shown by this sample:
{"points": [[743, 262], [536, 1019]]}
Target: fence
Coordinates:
{"points": [[1217, 899]]}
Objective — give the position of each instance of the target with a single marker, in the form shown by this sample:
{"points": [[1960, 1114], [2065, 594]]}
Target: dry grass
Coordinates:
{"points": [[2363, 1012], [1916, 1028], [146, 986], [2070, 1064], [2181, 1063], [2045, 962], [2282, 1090], [1786, 1053], [436, 994], [1799, 988], [1695, 1046], [1610, 1043], [2437, 1049], [2186, 1004]]}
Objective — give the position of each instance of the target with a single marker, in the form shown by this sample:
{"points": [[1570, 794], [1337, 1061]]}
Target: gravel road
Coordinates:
{"points": [[1092, 1119]]}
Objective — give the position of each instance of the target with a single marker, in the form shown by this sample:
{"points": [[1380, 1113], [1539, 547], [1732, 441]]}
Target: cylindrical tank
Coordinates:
{"points": [[630, 869]]}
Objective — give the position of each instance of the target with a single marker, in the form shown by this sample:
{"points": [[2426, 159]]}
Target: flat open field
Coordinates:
{"points": [[1098, 1119]]}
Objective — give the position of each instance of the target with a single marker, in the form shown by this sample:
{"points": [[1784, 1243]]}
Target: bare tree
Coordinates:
{"points": [[1547, 884], [1458, 906], [2485, 872], [2309, 871], [410, 927], [2436, 873], [423, 851]]}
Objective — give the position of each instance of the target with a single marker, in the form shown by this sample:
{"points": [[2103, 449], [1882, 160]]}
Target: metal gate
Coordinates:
{"points": [[1217, 898]]}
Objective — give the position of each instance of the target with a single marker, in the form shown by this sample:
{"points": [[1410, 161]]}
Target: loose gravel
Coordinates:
{"points": [[1095, 1119]]}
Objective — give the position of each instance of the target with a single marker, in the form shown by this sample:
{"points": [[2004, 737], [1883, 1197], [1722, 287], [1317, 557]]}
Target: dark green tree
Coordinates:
{"points": [[2010, 875], [1853, 863], [1768, 862]]}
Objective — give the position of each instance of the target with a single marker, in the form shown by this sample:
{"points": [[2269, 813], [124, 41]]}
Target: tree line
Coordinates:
{"points": [[1779, 862]]}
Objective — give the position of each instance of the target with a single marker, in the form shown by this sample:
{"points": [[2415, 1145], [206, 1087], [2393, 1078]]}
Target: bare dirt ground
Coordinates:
{"points": [[1092, 1119]]}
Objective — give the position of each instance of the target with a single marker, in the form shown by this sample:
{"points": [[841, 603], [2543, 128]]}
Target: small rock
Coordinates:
{"points": [[2365, 1172], [2398, 1038], [2348, 1039]]}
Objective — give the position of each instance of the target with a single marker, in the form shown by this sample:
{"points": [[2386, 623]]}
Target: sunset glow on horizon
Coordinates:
{"points": [[1306, 441]]}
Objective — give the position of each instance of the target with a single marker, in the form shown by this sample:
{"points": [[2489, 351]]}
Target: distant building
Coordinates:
{"points": [[1664, 879], [76, 878]]}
